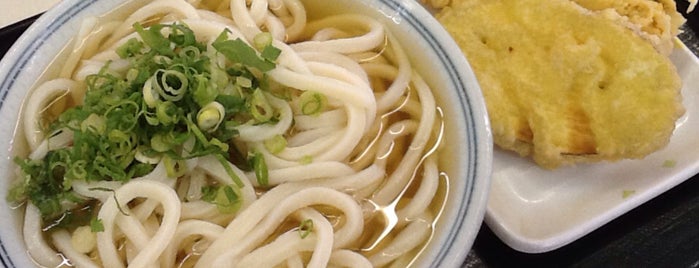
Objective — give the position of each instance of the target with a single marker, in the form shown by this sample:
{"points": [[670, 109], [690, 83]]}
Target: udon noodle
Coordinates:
{"points": [[355, 183]]}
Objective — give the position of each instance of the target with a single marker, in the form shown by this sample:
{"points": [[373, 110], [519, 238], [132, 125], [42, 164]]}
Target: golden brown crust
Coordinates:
{"points": [[656, 21], [564, 84]]}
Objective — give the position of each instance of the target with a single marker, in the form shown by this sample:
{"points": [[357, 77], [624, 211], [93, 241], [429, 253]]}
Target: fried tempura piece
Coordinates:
{"points": [[564, 84], [656, 21], [436, 4]]}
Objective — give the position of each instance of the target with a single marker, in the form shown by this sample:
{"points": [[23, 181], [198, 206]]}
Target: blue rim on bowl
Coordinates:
{"points": [[463, 215]]}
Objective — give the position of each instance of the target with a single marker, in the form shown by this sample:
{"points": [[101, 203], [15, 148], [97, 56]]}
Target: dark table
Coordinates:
{"points": [[663, 232]]}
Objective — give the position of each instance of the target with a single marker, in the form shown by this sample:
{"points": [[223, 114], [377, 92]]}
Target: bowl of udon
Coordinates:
{"points": [[208, 133]]}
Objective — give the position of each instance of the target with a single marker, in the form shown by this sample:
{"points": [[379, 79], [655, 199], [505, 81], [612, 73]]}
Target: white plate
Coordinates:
{"points": [[535, 210]]}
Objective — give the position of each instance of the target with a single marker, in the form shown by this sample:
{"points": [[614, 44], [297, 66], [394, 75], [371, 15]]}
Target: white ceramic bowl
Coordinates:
{"points": [[433, 52]]}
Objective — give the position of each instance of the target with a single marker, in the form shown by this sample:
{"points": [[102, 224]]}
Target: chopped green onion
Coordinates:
{"points": [[275, 144], [96, 225], [262, 40], [230, 171], [94, 123], [210, 116], [108, 168], [260, 167], [157, 142], [312, 103], [151, 119], [116, 201], [175, 168], [305, 228], [271, 53], [231, 195], [132, 75], [167, 113], [204, 92], [243, 82], [172, 85], [150, 95], [116, 136], [76, 172], [217, 143], [233, 104], [162, 60], [194, 129], [669, 163], [130, 48], [226, 198], [259, 107], [240, 52], [190, 52], [160, 109], [122, 115], [144, 156], [305, 160], [218, 78], [154, 38], [208, 193]]}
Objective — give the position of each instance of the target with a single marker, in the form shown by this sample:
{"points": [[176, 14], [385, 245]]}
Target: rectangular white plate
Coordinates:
{"points": [[535, 210]]}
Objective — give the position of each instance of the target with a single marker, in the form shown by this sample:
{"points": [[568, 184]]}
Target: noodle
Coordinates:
{"points": [[351, 181]]}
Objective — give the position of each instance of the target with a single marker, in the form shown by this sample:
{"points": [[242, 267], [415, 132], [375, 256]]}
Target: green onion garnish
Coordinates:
{"points": [[312, 103], [172, 103], [305, 228]]}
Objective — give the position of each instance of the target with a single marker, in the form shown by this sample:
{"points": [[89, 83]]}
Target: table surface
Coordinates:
{"points": [[663, 232], [12, 11]]}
